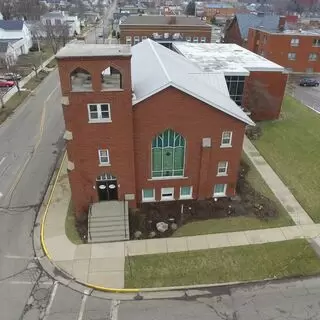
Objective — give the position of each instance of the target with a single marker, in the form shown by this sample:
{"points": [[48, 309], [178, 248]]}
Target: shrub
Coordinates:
{"points": [[254, 132]]}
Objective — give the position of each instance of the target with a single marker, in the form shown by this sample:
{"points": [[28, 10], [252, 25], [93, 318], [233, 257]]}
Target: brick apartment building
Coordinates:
{"points": [[164, 29], [296, 50], [131, 114], [256, 84], [237, 29], [218, 10]]}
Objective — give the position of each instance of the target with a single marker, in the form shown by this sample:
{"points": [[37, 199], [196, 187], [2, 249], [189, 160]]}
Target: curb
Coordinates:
{"points": [[66, 279]]}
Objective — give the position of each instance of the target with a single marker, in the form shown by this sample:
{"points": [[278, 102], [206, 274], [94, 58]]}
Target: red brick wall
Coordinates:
{"points": [[263, 94], [116, 136], [172, 109], [275, 47], [147, 31], [232, 33]]}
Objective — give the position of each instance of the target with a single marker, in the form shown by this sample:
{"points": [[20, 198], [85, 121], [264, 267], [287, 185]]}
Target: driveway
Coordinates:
{"points": [[310, 96]]}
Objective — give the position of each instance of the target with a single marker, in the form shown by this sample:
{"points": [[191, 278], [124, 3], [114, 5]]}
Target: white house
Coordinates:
{"points": [[16, 31], [59, 18]]}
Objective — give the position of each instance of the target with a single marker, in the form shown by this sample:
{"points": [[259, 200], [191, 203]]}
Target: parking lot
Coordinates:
{"points": [[310, 96]]}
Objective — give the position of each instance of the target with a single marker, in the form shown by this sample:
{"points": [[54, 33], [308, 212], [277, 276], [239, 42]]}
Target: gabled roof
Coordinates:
{"points": [[249, 20], [155, 68], [11, 25]]}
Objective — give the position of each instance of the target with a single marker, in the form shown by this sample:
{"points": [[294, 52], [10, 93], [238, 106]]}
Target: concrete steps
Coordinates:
{"points": [[108, 221]]}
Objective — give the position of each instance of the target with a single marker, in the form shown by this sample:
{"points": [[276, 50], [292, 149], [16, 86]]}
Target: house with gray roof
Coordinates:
{"points": [[237, 28], [17, 35]]}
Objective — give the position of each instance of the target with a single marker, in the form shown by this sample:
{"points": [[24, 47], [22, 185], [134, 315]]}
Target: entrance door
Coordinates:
{"points": [[107, 187]]}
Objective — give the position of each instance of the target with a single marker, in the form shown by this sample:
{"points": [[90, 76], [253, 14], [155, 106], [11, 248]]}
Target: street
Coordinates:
{"points": [[99, 34], [310, 96]]}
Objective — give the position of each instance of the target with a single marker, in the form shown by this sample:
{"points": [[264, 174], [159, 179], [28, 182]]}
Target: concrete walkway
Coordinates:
{"points": [[289, 202], [102, 264]]}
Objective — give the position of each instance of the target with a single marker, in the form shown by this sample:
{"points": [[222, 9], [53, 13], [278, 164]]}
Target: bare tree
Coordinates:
{"points": [[57, 35]]}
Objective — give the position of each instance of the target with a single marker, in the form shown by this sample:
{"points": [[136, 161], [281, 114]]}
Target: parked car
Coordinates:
{"points": [[308, 82], [12, 76], [6, 83]]}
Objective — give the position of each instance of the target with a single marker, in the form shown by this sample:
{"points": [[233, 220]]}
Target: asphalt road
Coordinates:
{"points": [[310, 96], [29, 144], [103, 28]]}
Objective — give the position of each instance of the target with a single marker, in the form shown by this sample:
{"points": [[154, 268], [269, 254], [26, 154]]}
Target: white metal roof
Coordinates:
{"points": [[155, 68], [227, 57]]}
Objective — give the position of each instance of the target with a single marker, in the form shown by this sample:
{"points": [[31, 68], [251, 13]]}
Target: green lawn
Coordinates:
{"points": [[12, 104], [291, 146], [70, 226], [241, 223], [35, 81], [255, 262]]}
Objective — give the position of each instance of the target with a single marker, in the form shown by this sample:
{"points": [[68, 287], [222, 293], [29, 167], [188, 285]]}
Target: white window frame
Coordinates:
{"points": [[104, 163], [188, 39], [167, 190], [313, 54], [100, 118], [195, 40], [292, 56], [136, 39], [189, 196], [224, 166], [229, 144], [295, 42], [148, 199], [220, 194], [144, 38], [203, 39], [128, 40]]}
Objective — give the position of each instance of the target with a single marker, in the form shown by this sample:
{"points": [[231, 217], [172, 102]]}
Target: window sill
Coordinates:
{"points": [[222, 175], [99, 121], [104, 165], [225, 146], [79, 91], [219, 195], [167, 178], [112, 89], [186, 198], [148, 200], [171, 199]]}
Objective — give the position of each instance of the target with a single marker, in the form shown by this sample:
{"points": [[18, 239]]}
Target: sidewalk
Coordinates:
{"points": [[102, 265], [289, 202], [14, 90]]}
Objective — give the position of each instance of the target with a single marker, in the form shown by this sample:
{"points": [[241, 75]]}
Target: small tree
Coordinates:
{"points": [[191, 8], [213, 20]]}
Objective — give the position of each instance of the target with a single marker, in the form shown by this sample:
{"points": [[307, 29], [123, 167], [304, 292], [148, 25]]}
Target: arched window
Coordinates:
{"points": [[111, 78], [80, 80], [168, 150]]}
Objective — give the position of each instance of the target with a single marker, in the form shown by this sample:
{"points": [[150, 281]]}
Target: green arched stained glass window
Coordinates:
{"points": [[168, 154]]}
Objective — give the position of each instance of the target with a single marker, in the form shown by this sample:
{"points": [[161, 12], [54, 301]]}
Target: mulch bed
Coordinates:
{"points": [[143, 220]]}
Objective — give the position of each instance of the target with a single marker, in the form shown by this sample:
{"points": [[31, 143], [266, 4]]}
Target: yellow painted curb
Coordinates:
{"points": [[44, 247]]}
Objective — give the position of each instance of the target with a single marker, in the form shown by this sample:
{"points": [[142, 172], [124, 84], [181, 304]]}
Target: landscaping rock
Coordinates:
{"points": [[137, 234], [174, 226], [152, 234], [162, 226]]}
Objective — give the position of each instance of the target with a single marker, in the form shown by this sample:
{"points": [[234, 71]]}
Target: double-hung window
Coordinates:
{"points": [[294, 42], [99, 112], [222, 168], [226, 139], [195, 39], [292, 56], [104, 159], [203, 39]]}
